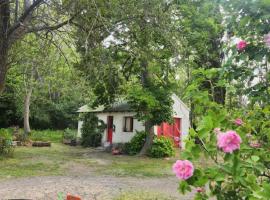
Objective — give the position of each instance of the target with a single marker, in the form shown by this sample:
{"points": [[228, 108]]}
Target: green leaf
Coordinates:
{"points": [[255, 158], [183, 187]]}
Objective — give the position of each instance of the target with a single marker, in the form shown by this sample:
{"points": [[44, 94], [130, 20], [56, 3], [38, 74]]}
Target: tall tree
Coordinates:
{"points": [[18, 18], [128, 52]]}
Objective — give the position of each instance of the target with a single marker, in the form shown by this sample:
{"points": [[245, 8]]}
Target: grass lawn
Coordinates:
{"points": [[61, 160], [142, 195]]}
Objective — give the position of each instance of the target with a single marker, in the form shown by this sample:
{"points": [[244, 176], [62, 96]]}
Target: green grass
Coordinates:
{"points": [[141, 195], [137, 166], [60, 159], [35, 161], [47, 135]]}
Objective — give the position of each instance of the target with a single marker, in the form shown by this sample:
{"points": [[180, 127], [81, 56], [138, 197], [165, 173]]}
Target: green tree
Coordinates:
{"points": [[130, 55]]}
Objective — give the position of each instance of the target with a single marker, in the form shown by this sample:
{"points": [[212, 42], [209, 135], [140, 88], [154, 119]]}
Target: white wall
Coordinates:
{"points": [[182, 111], [119, 136], [79, 134]]}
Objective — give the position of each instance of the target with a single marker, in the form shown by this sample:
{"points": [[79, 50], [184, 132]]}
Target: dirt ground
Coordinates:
{"points": [[92, 175]]}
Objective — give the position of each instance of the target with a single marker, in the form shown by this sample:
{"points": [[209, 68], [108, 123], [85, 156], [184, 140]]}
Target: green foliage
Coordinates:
{"points": [[136, 63], [6, 147], [153, 104], [70, 134], [46, 135], [162, 147], [92, 130], [242, 174], [136, 143], [57, 88]]}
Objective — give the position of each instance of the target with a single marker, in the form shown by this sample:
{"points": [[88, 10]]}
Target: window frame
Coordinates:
{"points": [[131, 124]]}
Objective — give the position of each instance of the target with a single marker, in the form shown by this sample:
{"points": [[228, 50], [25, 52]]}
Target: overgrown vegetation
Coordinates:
{"points": [[162, 147], [70, 134], [92, 130], [6, 147], [46, 135], [135, 145]]}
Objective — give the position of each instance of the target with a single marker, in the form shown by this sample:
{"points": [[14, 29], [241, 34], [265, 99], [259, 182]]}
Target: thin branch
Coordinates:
{"points": [[24, 16], [51, 28]]}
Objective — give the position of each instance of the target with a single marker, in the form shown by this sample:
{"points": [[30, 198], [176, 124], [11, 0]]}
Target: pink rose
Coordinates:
{"points": [[267, 40], [183, 169], [238, 121], [217, 130], [200, 189], [241, 45], [255, 144], [229, 141]]}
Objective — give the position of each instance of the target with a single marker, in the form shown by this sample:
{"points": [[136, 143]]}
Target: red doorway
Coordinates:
{"points": [[172, 131], [109, 129]]}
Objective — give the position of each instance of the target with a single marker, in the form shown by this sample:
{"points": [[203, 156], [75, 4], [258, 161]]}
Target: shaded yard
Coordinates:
{"points": [[44, 173]]}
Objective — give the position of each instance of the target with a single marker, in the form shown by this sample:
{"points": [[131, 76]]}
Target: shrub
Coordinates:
{"points": [[46, 135], [69, 134], [135, 145], [92, 130], [162, 147], [6, 147]]}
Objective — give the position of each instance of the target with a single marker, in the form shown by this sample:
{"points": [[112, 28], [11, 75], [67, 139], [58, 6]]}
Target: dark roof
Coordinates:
{"points": [[116, 107]]}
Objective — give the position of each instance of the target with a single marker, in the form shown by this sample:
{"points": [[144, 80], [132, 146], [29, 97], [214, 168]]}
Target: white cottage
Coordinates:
{"points": [[122, 124]]}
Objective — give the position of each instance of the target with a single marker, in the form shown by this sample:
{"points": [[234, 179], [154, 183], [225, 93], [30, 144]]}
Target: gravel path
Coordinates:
{"points": [[88, 187]]}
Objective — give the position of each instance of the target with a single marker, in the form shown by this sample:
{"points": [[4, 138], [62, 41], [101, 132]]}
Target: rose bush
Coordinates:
{"points": [[239, 160], [235, 141]]}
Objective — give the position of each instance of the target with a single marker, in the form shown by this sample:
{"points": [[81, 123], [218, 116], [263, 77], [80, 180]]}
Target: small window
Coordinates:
{"points": [[128, 124]]}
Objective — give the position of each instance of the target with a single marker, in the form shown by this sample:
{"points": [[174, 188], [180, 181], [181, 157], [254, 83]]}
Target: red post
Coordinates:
{"points": [[72, 197]]}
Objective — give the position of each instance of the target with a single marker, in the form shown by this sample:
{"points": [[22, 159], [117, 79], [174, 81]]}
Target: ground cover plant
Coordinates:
{"points": [[46, 135]]}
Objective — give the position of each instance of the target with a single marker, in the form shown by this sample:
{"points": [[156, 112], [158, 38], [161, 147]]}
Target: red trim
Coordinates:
{"points": [[109, 129], [172, 131]]}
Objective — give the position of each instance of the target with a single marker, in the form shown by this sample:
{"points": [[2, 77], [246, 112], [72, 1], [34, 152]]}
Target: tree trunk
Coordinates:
{"points": [[149, 128], [3, 69], [27, 101], [4, 41]]}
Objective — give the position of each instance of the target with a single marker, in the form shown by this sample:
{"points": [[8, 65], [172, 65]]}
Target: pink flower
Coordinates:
{"points": [[241, 45], [229, 141], [217, 130], [255, 144], [183, 169], [200, 189], [267, 40], [238, 121]]}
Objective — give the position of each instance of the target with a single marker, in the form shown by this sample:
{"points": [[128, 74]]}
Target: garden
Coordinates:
{"points": [[57, 57]]}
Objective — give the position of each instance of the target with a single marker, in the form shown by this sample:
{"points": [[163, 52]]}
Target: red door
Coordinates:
{"points": [[109, 129], [177, 132], [172, 131]]}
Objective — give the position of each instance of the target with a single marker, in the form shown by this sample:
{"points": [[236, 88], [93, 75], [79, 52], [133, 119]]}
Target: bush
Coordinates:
{"points": [[162, 147], [92, 130], [135, 145], [47, 135], [69, 134], [6, 147]]}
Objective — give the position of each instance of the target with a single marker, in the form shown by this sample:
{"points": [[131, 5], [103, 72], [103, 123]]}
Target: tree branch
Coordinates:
{"points": [[24, 16], [51, 28]]}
